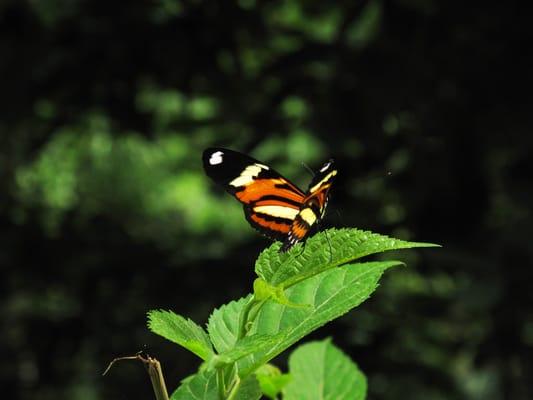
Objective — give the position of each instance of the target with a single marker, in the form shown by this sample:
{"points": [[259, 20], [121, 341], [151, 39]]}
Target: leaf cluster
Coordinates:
{"points": [[295, 293]]}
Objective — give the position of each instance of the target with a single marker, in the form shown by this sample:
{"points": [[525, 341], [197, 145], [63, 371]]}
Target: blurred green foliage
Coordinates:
{"points": [[106, 213]]}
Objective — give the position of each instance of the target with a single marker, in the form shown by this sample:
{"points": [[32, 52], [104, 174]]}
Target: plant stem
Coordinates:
{"points": [[156, 376], [220, 383], [155, 372], [234, 389]]}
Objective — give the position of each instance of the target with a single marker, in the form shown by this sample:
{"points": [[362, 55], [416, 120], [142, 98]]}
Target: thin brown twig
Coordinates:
{"points": [[153, 367]]}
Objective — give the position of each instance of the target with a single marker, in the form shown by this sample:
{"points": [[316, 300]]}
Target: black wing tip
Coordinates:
{"points": [[209, 151], [234, 156]]}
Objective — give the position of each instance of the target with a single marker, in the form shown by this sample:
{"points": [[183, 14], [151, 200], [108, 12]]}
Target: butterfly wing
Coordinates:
{"points": [[271, 202], [313, 206]]}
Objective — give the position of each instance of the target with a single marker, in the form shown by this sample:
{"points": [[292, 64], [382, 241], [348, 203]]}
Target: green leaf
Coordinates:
{"points": [[320, 370], [248, 389], [181, 331], [207, 385], [223, 328], [271, 380], [329, 295], [200, 386], [223, 325], [344, 245], [249, 345]]}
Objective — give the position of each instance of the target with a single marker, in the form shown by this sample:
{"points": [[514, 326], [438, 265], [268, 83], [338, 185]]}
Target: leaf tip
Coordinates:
{"points": [[424, 244]]}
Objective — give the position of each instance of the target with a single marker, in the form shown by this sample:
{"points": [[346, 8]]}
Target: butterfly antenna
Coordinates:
{"points": [[308, 169]]}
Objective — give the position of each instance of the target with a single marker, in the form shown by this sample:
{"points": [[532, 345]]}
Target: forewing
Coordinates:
{"points": [[270, 201]]}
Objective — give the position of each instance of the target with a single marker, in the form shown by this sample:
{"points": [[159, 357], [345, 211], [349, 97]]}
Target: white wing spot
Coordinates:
{"points": [[277, 211], [216, 158], [308, 216], [325, 167], [248, 175]]}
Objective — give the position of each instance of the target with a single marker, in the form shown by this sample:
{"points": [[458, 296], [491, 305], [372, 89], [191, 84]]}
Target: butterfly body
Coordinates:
{"points": [[272, 204]]}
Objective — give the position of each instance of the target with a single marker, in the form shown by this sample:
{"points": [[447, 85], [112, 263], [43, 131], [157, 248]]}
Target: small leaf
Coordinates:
{"points": [[223, 325], [200, 386], [320, 370], [181, 331], [323, 251], [271, 380]]}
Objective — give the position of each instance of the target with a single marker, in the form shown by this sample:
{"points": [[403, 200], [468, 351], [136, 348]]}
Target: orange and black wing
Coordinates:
{"points": [[271, 203]]}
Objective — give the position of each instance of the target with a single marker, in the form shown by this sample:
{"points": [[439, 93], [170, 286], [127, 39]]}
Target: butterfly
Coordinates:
{"points": [[272, 204]]}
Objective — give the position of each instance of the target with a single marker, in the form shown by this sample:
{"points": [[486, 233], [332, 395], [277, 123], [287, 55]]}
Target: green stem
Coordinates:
{"points": [[248, 315], [234, 389], [220, 383]]}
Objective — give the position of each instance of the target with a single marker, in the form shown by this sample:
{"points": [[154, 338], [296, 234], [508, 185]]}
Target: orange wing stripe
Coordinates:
{"points": [[271, 225], [299, 230], [265, 187]]}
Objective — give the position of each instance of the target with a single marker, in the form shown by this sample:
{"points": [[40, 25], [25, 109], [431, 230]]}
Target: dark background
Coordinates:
{"points": [[106, 213]]}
